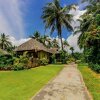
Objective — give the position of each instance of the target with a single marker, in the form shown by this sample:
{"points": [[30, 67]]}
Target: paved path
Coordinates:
{"points": [[68, 85]]}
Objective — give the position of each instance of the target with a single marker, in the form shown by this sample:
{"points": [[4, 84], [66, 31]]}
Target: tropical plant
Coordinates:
{"points": [[43, 39], [36, 35], [65, 44], [53, 57], [72, 50], [55, 17], [89, 39], [4, 41], [55, 44], [6, 62], [43, 61], [21, 62], [63, 56], [49, 44]]}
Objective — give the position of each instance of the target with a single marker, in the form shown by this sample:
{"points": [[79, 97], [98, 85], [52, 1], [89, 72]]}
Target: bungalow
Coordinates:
{"points": [[36, 50]]}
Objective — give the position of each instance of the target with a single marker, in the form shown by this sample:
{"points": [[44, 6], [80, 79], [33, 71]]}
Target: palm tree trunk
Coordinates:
{"points": [[61, 42]]}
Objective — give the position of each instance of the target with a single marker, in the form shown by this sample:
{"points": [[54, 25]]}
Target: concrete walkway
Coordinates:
{"points": [[68, 85]]}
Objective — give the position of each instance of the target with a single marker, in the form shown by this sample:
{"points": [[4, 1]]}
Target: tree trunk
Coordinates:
{"points": [[61, 42]]}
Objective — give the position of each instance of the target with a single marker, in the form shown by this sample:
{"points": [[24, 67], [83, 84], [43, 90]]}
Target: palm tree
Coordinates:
{"points": [[36, 35], [72, 50], [43, 39], [88, 25], [49, 44], [4, 41], [55, 17], [65, 43], [55, 43]]}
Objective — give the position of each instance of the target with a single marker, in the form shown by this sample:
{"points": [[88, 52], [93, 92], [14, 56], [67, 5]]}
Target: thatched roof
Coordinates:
{"points": [[53, 50], [30, 45]]}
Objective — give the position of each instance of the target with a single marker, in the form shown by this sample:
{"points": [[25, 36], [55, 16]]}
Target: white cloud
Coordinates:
{"points": [[11, 18], [18, 42], [76, 13], [72, 40]]}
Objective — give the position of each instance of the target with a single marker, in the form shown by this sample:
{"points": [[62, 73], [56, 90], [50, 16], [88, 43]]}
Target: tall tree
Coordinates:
{"points": [[89, 27], [72, 50], [4, 41], [43, 39], [49, 44], [36, 35], [55, 17], [65, 44], [55, 43]]}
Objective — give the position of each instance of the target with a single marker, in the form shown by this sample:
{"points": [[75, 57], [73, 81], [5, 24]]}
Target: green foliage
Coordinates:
{"points": [[95, 67], [70, 60], [6, 62], [63, 56], [89, 39], [43, 61], [78, 55], [78, 61], [21, 62], [4, 41], [53, 59], [97, 18], [55, 17]]}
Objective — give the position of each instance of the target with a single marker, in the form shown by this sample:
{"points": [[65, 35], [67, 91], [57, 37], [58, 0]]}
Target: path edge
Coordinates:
{"points": [[32, 98], [86, 90]]}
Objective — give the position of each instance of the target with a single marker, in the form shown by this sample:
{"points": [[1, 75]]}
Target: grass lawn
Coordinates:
{"points": [[22, 85], [92, 81]]}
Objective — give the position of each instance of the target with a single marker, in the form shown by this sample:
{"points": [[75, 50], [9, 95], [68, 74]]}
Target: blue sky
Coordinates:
{"points": [[34, 16], [21, 18]]}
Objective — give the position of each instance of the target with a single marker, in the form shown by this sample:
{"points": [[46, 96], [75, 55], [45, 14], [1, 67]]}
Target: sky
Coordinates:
{"points": [[21, 18]]}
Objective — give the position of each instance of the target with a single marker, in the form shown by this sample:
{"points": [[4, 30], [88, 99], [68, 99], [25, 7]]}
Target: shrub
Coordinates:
{"points": [[21, 62], [43, 61], [63, 56], [95, 67], [78, 61], [53, 59], [71, 59], [6, 62]]}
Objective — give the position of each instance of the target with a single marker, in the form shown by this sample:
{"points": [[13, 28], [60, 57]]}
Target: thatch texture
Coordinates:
{"points": [[30, 45], [53, 50]]}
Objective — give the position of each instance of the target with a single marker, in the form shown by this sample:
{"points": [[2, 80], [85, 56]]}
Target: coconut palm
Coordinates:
{"points": [[55, 17], [88, 24], [4, 41], [49, 44], [72, 50], [36, 35], [65, 43], [43, 39], [55, 43], [89, 27]]}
